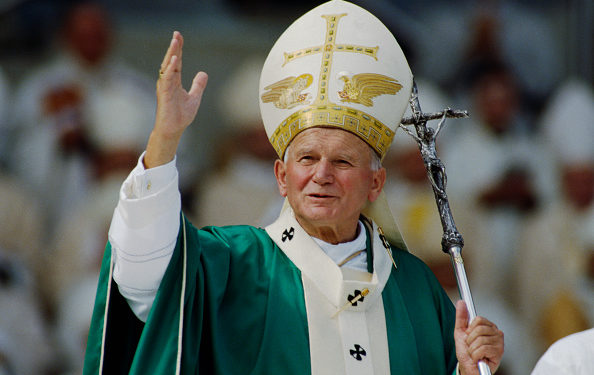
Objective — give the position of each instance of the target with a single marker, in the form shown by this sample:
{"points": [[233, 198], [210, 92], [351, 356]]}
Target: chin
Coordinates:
{"points": [[319, 215]]}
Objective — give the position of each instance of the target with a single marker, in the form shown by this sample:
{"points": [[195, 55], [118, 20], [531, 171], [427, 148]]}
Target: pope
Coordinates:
{"points": [[330, 287]]}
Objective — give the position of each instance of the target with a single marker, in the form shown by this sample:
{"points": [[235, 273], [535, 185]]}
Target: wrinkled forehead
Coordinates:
{"points": [[329, 139]]}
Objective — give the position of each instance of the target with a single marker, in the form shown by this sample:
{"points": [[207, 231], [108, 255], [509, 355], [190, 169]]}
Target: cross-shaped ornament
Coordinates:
{"points": [[452, 240], [328, 49], [358, 353]]}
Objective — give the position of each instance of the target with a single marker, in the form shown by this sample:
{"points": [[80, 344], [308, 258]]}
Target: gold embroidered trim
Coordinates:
{"points": [[368, 128], [363, 87], [287, 93]]}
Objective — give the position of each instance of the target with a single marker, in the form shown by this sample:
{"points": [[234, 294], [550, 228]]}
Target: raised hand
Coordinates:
{"points": [[176, 107], [480, 340]]}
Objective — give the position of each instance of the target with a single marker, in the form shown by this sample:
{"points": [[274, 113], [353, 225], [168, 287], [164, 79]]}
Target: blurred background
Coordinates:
{"points": [[77, 105]]}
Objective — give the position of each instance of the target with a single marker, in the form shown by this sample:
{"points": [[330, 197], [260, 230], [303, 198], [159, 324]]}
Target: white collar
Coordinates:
{"points": [[307, 255], [339, 252]]}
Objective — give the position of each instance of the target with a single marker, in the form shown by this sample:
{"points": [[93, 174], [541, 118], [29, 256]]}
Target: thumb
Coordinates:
{"points": [[461, 316], [198, 86]]}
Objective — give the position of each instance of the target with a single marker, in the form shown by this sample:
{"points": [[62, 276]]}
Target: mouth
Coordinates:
{"points": [[320, 196]]}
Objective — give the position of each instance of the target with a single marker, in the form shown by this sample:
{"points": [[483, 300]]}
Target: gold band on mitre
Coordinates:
{"points": [[365, 126]]}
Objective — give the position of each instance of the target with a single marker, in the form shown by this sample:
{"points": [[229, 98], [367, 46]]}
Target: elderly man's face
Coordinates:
{"points": [[328, 179]]}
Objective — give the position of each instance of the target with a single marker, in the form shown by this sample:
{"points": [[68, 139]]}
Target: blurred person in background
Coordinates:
{"points": [[555, 269], [67, 138], [21, 217], [25, 347], [412, 201], [516, 33], [22, 312], [80, 124], [246, 158], [500, 168]]}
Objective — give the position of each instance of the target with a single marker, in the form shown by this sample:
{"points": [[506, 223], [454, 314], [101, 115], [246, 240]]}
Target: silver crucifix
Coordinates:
{"points": [[452, 241]]}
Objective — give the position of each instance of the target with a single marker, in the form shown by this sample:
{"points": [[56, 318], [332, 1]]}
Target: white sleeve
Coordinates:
{"points": [[549, 365], [143, 233], [571, 355]]}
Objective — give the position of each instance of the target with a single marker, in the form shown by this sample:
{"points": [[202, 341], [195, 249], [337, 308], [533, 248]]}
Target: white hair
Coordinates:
{"points": [[376, 162]]}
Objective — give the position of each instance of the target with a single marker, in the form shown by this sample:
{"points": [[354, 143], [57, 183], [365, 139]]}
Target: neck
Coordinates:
{"points": [[333, 234]]}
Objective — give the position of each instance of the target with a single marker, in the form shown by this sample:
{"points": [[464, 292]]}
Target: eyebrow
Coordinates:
{"points": [[304, 151]]}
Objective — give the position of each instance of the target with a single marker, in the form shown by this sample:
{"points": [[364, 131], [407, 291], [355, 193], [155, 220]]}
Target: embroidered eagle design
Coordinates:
{"points": [[287, 93], [362, 88]]}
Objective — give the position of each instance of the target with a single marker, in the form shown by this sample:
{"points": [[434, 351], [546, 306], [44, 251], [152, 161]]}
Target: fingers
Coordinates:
{"points": [[172, 60], [481, 326], [485, 334], [180, 39], [479, 340], [484, 342], [171, 50]]}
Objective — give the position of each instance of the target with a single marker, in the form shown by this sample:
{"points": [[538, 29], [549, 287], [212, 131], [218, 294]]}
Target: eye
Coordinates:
{"points": [[306, 159], [343, 163]]}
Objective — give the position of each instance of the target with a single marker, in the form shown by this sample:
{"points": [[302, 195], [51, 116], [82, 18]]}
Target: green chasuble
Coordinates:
{"points": [[243, 312]]}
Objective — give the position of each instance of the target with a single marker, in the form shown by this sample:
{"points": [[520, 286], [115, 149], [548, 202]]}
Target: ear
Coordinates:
{"points": [[377, 184], [280, 172]]}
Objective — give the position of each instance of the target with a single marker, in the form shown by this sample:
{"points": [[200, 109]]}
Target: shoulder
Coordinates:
{"points": [[232, 233], [573, 354], [246, 249], [575, 348], [225, 245], [234, 239], [408, 261], [412, 270]]}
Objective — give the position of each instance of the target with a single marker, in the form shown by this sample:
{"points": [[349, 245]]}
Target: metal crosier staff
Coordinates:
{"points": [[452, 241]]}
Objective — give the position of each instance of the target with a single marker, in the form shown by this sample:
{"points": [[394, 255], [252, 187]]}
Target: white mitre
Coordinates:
{"points": [[337, 66], [237, 101], [568, 123]]}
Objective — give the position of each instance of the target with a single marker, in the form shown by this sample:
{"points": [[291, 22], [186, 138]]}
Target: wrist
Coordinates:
{"points": [[161, 149]]}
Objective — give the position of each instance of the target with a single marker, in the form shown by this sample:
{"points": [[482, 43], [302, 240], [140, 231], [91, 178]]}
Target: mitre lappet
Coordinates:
{"points": [[337, 66]]}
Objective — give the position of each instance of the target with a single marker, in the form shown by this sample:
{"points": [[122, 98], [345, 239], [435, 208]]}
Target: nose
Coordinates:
{"points": [[324, 172]]}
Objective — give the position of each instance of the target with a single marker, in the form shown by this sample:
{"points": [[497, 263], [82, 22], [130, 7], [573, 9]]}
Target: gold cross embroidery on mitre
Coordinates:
{"points": [[328, 49]]}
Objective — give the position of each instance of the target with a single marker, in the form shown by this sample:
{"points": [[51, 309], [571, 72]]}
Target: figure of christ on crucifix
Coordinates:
{"points": [[452, 241]]}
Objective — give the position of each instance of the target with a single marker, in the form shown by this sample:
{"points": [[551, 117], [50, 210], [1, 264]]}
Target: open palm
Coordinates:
{"points": [[176, 107]]}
